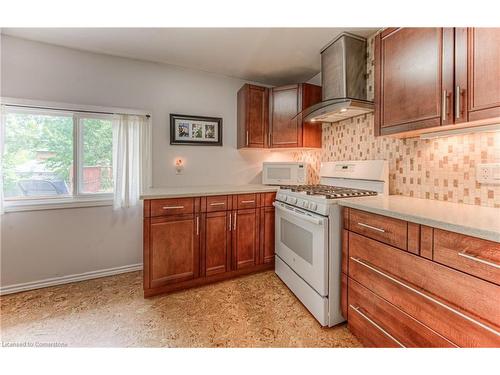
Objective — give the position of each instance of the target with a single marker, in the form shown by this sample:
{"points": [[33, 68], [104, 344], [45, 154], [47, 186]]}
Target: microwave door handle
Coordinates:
{"points": [[298, 215]]}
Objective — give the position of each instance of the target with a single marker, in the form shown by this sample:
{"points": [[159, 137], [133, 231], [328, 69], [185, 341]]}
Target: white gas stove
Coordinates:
{"points": [[308, 232]]}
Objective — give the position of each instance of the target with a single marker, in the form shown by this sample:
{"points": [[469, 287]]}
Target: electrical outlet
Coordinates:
{"points": [[488, 173]]}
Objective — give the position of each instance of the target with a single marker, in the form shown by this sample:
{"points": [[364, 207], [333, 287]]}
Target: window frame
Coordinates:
{"points": [[77, 197]]}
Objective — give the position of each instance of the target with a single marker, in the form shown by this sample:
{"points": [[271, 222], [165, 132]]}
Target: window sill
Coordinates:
{"points": [[55, 204]]}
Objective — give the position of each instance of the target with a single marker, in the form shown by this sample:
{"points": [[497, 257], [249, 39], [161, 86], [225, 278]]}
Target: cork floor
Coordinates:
{"points": [[252, 311]]}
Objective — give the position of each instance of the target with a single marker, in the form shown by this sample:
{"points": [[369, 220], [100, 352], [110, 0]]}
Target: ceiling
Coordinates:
{"points": [[273, 56]]}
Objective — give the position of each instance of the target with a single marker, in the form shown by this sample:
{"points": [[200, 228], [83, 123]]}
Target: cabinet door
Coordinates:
{"points": [[267, 234], [286, 129], [413, 79], [483, 67], [216, 244], [245, 238], [253, 116], [174, 249]]}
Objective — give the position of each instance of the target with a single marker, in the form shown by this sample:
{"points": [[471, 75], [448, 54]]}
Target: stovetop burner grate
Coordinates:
{"points": [[329, 192]]}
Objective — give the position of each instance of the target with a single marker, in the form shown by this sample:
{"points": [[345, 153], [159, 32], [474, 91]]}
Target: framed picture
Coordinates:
{"points": [[195, 130]]}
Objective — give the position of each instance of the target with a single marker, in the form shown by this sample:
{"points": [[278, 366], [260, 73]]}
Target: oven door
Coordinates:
{"points": [[302, 243]]}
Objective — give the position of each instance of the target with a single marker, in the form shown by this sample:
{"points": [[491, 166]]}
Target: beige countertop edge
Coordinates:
{"points": [[470, 230], [162, 193]]}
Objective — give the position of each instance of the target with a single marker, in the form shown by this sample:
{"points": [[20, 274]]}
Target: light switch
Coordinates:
{"points": [[488, 173]]}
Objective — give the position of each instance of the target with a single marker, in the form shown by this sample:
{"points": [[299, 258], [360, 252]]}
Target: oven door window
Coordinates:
{"points": [[297, 239]]}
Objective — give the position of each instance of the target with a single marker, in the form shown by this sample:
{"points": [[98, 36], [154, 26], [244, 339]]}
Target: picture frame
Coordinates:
{"points": [[195, 130]]}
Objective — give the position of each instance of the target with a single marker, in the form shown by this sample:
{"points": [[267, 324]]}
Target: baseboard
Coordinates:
{"points": [[15, 288]]}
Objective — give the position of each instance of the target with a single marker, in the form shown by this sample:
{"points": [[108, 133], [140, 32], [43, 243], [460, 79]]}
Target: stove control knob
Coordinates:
{"points": [[304, 204], [284, 198], [313, 206], [292, 200]]}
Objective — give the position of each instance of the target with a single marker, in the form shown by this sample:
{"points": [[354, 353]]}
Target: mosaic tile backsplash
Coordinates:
{"points": [[442, 168]]}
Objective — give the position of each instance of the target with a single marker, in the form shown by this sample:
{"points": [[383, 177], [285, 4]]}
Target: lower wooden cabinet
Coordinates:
{"points": [[216, 243], [221, 239], [245, 238], [426, 296], [174, 250], [267, 234]]}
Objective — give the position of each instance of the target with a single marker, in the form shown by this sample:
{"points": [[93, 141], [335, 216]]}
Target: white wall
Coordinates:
{"points": [[46, 244]]}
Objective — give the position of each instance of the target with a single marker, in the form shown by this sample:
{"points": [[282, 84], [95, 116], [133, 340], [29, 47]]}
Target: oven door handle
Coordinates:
{"points": [[299, 215]]}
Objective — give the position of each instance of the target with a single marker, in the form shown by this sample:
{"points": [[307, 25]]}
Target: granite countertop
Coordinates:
{"points": [[196, 191], [476, 221]]}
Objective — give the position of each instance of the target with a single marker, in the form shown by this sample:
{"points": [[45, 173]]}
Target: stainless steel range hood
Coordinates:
{"points": [[343, 79]]}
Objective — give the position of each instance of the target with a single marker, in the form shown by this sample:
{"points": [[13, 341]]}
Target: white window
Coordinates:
{"points": [[56, 156]]}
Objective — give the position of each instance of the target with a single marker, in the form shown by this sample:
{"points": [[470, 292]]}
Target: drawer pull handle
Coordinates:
{"points": [[475, 258], [217, 204], [245, 202], [370, 227], [396, 281], [358, 310], [172, 207]]}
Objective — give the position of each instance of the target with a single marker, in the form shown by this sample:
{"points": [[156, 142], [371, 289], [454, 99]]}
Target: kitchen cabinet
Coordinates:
{"points": [[270, 118], [429, 79], [216, 243], [267, 234], [174, 251], [253, 116], [423, 295], [413, 78], [212, 238], [245, 238], [477, 69], [287, 128]]}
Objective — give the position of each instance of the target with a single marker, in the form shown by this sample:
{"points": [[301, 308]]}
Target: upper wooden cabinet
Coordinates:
{"points": [[271, 117], [477, 67], [287, 127], [253, 116], [432, 77]]}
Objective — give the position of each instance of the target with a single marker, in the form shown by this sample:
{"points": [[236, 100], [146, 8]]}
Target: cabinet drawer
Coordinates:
{"points": [[475, 256], [173, 206], [460, 307], [381, 228], [397, 326], [217, 203], [242, 201]]}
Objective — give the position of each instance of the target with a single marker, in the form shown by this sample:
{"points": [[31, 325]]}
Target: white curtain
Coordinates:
{"points": [[131, 159], [2, 138]]}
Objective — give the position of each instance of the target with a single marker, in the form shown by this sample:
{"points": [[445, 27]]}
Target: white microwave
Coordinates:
{"points": [[284, 173]]}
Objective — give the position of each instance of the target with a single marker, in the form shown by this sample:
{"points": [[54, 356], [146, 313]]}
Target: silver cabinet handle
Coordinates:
{"points": [[245, 202], [358, 310], [429, 298], [247, 138], [230, 220], [444, 110], [217, 204], [197, 225], [234, 224], [458, 95], [172, 207], [370, 227], [269, 140], [475, 258]]}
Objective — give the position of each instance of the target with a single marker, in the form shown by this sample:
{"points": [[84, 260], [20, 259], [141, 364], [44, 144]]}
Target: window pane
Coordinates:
{"points": [[97, 140], [38, 155]]}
